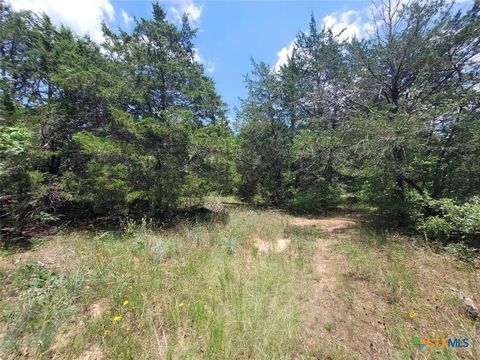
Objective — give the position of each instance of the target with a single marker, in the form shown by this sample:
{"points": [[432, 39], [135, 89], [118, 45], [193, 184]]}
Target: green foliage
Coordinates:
{"points": [[162, 165], [263, 140], [14, 142], [131, 127], [20, 187], [36, 277], [436, 227], [381, 117], [313, 200], [461, 251], [445, 219], [289, 135]]}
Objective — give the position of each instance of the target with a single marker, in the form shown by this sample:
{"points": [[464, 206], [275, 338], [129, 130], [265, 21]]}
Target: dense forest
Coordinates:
{"points": [[392, 121], [132, 127]]}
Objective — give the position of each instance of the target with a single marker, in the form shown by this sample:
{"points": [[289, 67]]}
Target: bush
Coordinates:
{"points": [[437, 228], [461, 251], [378, 188], [444, 219], [313, 200]]}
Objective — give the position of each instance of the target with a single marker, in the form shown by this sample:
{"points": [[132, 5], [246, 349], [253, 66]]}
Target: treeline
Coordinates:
{"points": [[130, 127], [392, 120]]}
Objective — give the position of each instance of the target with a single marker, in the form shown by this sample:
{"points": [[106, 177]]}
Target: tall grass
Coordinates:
{"points": [[204, 291], [198, 291]]}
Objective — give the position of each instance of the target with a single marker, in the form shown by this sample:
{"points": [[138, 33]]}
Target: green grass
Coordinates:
{"points": [[204, 291], [382, 260], [199, 291], [411, 285]]}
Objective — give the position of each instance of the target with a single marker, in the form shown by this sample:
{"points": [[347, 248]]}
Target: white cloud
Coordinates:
{"points": [[346, 25], [194, 12], [283, 56], [196, 56], [208, 64], [82, 16], [188, 7], [127, 19]]}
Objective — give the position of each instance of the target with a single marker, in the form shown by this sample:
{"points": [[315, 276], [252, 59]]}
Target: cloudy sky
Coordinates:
{"points": [[230, 32]]}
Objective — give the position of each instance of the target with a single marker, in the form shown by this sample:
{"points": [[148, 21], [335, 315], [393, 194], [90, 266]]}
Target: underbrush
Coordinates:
{"points": [[446, 220]]}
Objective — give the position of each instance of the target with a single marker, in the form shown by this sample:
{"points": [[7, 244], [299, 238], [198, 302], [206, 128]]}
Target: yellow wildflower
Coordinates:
{"points": [[117, 318], [412, 314], [125, 303], [181, 305]]}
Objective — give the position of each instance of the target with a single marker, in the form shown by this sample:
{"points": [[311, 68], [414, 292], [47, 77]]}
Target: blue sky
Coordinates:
{"points": [[230, 32], [233, 32]]}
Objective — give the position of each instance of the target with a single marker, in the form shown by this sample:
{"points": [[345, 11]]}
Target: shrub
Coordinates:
{"points": [[437, 228], [314, 199], [461, 251], [444, 219]]}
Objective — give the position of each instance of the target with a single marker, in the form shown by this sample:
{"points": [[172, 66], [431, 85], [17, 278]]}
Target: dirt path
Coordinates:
{"points": [[333, 317], [327, 261]]}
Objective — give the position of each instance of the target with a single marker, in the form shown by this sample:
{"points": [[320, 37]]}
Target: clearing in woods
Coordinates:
{"points": [[262, 285]]}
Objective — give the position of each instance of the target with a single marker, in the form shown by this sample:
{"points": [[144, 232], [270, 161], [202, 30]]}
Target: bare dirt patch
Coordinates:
{"points": [[93, 353], [277, 246], [352, 324], [325, 224], [99, 307], [52, 255], [63, 337]]}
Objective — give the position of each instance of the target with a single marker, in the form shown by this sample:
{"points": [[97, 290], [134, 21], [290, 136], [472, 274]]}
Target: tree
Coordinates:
{"points": [[411, 72], [292, 123], [264, 140], [130, 127]]}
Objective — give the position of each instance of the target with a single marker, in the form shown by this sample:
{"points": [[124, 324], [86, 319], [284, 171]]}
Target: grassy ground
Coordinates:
{"points": [[410, 285], [210, 291], [194, 292]]}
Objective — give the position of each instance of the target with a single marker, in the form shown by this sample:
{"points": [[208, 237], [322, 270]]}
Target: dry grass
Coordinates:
{"points": [[209, 291], [393, 290], [198, 291]]}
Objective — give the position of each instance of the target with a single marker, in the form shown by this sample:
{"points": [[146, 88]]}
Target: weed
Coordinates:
{"points": [[461, 251], [203, 291], [328, 326]]}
